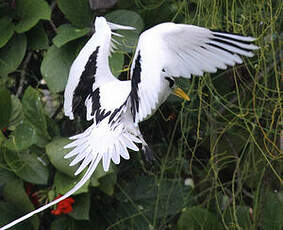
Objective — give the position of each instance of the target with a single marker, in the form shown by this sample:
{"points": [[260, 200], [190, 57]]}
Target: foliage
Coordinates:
{"points": [[219, 162]]}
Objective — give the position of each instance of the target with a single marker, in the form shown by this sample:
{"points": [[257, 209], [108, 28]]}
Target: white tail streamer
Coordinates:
{"points": [[86, 176], [98, 142]]}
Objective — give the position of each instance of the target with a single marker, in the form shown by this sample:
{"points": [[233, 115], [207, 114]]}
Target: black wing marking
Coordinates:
{"points": [[226, 35], [226, 39], [136, 79], [116, 112], [85, 85], [99, 112], [229, 43]]}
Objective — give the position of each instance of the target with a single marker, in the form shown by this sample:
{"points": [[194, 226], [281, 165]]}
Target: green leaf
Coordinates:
{"points": [[8, 213], [37, 38], [66, 33], [198, 218], [17, 114], [116, 62], [12, 54], [100, 173], [104, 180], [34, 113], [166, 12], [5, 108], [148, 195], [272, 211], [14, 192], [18, 138], [2, 139], [81, 207], [30, 12], [53, 128], [7, 30], [27, 166], [62, 223], [68, 223], [77, 12], [56, 65], [128, 18], [56, 152], [64, 183], [107, 183], [243, 217], [6, 174]]}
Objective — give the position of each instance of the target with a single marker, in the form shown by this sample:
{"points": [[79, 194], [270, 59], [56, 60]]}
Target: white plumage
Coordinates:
{"points": [[163, 53]]}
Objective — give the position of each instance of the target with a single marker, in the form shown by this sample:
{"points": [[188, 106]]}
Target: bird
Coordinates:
{"points": [[115, 108]]}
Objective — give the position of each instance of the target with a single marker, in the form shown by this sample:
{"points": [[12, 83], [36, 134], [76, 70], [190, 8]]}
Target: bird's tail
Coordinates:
{"points": [[103, 141], [86, 176], [98, 142]]}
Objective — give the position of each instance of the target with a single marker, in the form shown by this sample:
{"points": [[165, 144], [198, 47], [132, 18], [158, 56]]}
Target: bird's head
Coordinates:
{"points": [[177, 91], [180, 93]]}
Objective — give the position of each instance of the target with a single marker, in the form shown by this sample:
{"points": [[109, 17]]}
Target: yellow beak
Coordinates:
{"points": [[180, 93]]}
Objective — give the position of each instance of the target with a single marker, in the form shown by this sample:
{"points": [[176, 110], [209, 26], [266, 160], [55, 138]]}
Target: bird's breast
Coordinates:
{"points": [[113, 94]]}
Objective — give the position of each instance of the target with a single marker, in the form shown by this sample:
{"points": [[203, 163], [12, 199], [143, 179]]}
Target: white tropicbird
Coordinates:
{"points": [[164, 52]]}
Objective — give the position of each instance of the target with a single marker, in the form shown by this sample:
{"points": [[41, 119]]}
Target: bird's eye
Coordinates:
{"points": [[171, 81]]}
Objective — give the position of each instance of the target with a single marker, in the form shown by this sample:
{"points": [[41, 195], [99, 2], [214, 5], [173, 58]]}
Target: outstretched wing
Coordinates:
{"points": [[91, 68], [178, 50], [90, 79]]}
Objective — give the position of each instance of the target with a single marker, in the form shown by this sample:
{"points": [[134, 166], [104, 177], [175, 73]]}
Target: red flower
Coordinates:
{"points": [[64, 206]]}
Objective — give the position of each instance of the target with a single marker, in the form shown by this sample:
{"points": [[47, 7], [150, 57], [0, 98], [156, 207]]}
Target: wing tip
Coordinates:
{"points": [[233, 35], [114, 26]]}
